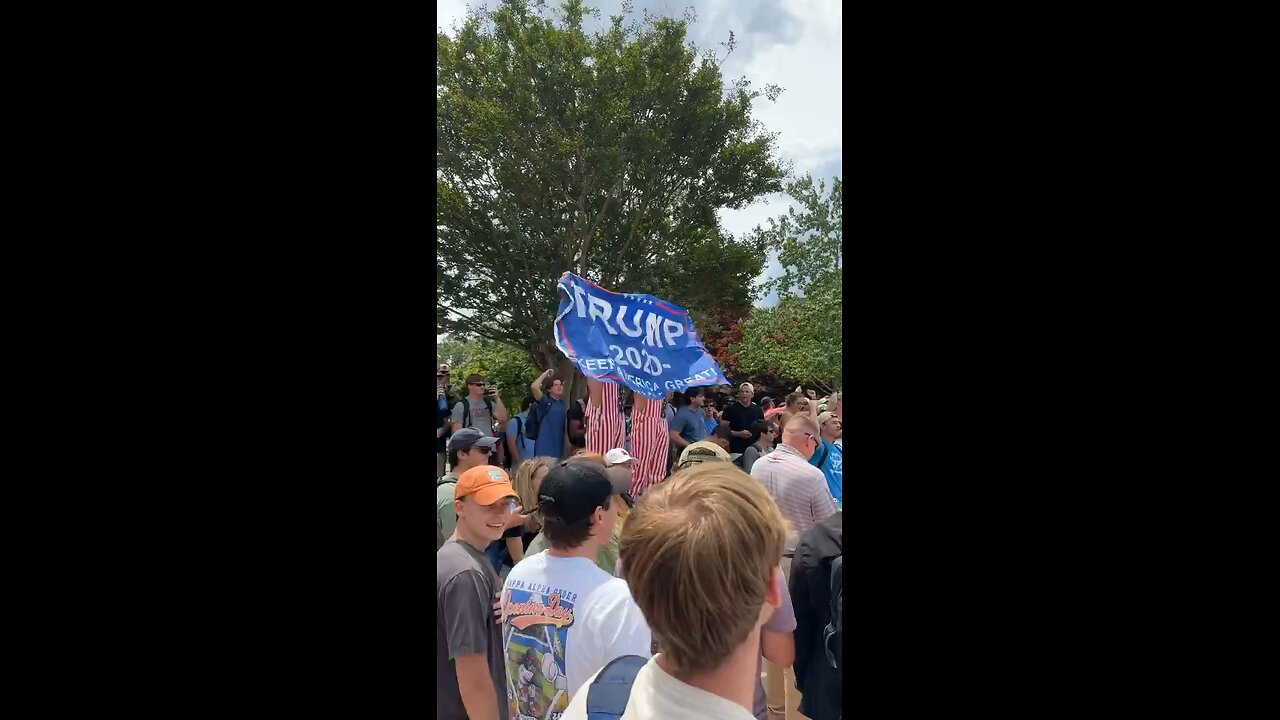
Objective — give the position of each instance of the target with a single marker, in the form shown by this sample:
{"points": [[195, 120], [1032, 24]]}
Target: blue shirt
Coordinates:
{"points": [[833, 467], [711, 425], [527, 446], [550, 440], [689, 424]]}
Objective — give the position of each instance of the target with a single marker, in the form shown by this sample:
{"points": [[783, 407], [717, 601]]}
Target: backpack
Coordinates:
{"points": [[466, 411], [608, 694], [833, 633], [536, 415]]}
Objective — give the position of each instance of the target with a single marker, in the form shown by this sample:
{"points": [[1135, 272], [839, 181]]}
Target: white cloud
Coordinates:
{"points": [[807, 116], [448, 12]]}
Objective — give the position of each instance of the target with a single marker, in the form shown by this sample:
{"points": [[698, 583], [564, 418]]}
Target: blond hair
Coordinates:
{"points": [[523, 481], [699, 551]]}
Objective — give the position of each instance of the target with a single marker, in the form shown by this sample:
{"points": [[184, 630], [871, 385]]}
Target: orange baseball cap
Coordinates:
{"points": [[487, 483]]}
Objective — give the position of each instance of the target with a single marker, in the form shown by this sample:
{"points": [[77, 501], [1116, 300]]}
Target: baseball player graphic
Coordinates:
{"points": [[552, 662], [526, 687]]}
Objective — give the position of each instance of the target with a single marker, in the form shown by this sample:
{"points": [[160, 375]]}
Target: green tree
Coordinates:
{"points": [[607, 155], [799, 339], [809, 240], [511, 369], [454, 351]]}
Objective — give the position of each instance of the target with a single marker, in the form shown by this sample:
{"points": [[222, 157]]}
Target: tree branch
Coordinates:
{"points": [[460, 325]]}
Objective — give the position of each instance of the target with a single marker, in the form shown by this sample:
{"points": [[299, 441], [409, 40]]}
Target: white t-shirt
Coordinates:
{"points": [[563, 619], [655, 695]]}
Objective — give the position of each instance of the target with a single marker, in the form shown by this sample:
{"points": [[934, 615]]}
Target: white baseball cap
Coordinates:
{"points": [[617, 456]]}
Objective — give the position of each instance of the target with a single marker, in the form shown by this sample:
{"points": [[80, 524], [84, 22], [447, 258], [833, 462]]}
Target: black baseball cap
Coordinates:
{"points": [[573, 490], [468, 437]]}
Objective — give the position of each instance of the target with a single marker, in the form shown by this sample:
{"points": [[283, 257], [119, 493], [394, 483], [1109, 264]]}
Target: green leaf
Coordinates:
{"points": [[606, 154]]}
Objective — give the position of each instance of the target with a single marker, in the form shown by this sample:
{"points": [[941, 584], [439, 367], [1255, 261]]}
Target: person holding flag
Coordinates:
{"points": [[642, 341]]}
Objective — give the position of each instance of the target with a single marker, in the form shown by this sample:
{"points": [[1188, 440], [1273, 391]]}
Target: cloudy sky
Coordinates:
{"points": [[792, 43]]}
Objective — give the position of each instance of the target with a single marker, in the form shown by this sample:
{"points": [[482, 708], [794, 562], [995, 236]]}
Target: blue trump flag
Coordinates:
{"points": [[640, 341]]}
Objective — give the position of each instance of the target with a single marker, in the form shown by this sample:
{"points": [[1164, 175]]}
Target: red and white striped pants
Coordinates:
{"points": [[604, 425], [649, 438]]}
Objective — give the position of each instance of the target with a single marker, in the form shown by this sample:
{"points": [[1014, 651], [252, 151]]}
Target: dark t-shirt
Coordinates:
{"points": [[465, 589], [740, 418], [575, 413]]}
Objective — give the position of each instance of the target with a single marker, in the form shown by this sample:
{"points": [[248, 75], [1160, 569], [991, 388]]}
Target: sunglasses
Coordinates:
{"points": [[485, 451], [477, 384]]}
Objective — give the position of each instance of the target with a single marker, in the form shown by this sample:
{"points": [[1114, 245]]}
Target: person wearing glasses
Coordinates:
{"points": [[800, 489], [766, 433], [480, 408], [471, 672], [574, 616]]}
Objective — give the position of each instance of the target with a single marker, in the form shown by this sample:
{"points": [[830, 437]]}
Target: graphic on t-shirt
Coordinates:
{"points": [[535, 628]]}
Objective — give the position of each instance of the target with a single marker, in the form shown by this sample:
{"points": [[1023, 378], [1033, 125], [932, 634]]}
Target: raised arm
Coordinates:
{"points": [[536, 386], [499, 410]]}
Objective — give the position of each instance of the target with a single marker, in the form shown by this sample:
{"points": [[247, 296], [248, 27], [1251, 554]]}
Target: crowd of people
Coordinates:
{"points": [[641, 559]]}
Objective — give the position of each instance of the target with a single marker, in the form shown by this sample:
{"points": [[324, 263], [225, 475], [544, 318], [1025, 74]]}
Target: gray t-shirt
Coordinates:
{"points": [[690, 424], [465, 589], [480, 418]]}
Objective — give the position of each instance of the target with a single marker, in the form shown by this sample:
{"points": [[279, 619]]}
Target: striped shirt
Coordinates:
{"points": [[799, 488]]}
